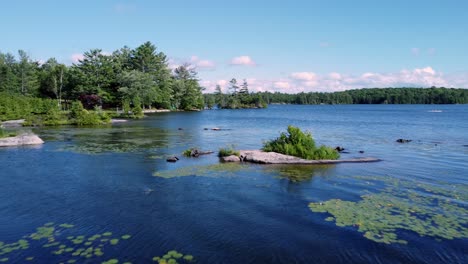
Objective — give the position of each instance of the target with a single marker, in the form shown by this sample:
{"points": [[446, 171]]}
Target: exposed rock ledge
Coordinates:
{"points": [[20, 140], [13, 123], [113, 121], [258, 156]]}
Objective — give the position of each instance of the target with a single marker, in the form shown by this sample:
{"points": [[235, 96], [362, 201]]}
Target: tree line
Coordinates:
{"points": [[403, 95], [238, 96], [137, 77]]}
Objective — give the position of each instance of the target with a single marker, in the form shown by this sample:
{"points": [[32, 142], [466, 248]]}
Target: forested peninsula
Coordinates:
{"points": [[123, 83]]}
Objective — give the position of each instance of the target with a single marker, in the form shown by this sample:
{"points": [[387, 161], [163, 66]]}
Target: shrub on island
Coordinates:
{"points": [[229, 151], [296, 143]]}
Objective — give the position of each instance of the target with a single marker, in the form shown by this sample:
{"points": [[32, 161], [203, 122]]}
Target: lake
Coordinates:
{"points": [[108, 194]]}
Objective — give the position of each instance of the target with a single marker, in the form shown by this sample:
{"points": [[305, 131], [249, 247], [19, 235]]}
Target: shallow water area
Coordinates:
{"points": [[116, 179]]}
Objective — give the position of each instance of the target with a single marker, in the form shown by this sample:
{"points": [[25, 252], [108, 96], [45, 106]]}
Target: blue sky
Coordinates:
{"points": [[288, 46]]}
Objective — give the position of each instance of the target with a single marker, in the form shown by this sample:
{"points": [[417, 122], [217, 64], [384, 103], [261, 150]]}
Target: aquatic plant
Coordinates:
{"points": [[294, 142], [213, 170], [402, 205], [228, 151], [172, 257], [111, 261], [188, 152], [48, 236]]}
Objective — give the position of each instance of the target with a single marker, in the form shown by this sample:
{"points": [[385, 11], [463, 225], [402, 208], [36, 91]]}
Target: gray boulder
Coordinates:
{"points": [[21, 140]]}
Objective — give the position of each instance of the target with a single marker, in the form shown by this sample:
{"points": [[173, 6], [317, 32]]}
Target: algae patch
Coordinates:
{"points": [[427, 210], [213, 170]]}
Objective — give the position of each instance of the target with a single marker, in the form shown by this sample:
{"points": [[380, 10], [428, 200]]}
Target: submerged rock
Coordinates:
{"points": [[232, 158], [401, 140], [21, 140], [339, 149], [172, 159], [196, 153], [258, 156]]}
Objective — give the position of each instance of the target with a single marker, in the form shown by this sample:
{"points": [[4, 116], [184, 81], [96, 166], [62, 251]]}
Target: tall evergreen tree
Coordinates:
{"points": [[233, 87]]}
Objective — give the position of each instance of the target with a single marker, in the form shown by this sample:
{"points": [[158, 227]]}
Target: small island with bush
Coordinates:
{"points": [[291, 147]]}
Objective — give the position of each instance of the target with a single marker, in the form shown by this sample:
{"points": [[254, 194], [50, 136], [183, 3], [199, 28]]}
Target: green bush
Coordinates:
{"points": [[224, 152], [188, 152], [299, 144], [5, 134], [83, 117], [136, 110]]}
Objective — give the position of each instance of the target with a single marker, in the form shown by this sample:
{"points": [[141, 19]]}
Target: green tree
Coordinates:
{"points": [[52, 79], [244, 89], [233, 87], [188, 89], [139, 84], [28, 77], [95, 75], [8, 78]]}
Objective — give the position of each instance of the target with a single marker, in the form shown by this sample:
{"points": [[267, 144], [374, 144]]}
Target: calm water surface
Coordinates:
{"points": [[103, 179]]}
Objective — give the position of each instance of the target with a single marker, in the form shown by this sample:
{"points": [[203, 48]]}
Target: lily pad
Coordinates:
{"points": [[432, 211]]}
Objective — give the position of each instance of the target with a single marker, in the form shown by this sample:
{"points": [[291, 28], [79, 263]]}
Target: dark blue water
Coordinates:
{"points": [[101, 179]]}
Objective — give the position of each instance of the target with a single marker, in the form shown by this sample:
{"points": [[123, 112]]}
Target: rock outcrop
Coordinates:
{"points": [[172, 159], [196, 153], [401, 140], [232, 158], [13, 123], [21, 140], [114, 121], [258, 156]]}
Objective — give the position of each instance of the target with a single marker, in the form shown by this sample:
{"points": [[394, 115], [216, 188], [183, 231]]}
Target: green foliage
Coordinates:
{"points": [[5, 134], [299, 144], [236, 99], [187, 152], [126, 108], [123, 75], [82, 117], [224, 152], [136, 110]]}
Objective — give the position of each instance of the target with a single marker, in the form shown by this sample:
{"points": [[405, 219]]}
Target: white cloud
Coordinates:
{"points": [[77, 57], [206, 64], [222, 83], [324, 44], [332, 82], [243, 60], [304, 76], [431, 51], [334, 76], [427, 70], [194, 61], [281, 85]]}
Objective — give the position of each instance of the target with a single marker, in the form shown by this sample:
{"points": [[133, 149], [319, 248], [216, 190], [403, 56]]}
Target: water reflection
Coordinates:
{"points": [[299, 173]]}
